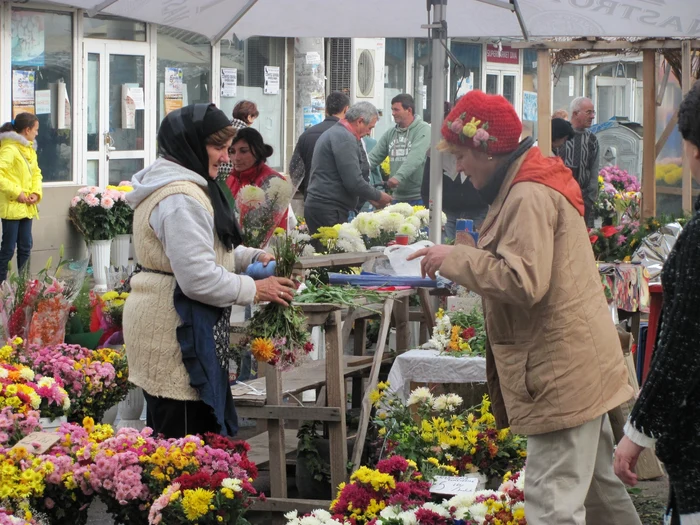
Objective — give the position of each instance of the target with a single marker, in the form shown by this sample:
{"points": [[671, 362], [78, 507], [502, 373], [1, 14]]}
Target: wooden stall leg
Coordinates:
{"points": [[401, 314], [278, 458], [371, 385], [335, 387], [426, 329], [360, 346]]}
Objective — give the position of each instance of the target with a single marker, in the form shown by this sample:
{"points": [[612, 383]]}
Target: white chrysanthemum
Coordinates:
{"points": [[251, 196], [302, 237], [46, 382], [420, 395], [437, 509], [3, 373], [66, 403], [281, 190], [520, 484], [408, 517], [291, 515], [308, 251], [408, 229], [26, 373], [310, 520], [415, 221], [454, 400], [423, 216], [440, 403], [232, 483], [391, 222], [360, 220], [349, 230], [403, 208], [322, 514], [35, 400], [390, 513]]}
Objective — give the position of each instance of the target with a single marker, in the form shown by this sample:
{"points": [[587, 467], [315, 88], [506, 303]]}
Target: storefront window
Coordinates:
{"points": [[114, 29], [422, 77], [257, 61], [394, 80], [42, 44], [467, 75], [187, 56]]}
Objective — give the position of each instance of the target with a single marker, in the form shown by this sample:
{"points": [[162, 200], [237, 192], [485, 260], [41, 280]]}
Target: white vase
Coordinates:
{"points": [[129, 413], [120, 250], [110, 415], [99, 251], [50, 424]]}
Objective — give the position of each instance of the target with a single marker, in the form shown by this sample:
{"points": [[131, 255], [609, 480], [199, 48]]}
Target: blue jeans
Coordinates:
{"points": [[15, 234]]}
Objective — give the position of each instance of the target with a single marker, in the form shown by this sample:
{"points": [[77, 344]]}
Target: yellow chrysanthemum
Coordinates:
{"points": [[196, 502], [263, 349]]}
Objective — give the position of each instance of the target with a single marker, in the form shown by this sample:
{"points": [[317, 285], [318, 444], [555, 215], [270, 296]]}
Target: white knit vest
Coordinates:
{"points": [[150, 319]]}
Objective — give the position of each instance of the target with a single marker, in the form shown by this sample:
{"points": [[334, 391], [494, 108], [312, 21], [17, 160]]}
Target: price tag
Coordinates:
{"points": [[38, 442], [452, 486]]}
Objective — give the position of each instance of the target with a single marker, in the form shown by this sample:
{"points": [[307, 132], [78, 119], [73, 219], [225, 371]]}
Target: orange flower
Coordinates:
{"points": [[263, 349]]}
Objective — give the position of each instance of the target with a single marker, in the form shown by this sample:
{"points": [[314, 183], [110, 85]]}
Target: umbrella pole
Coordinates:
{"points": [[438, 32]]}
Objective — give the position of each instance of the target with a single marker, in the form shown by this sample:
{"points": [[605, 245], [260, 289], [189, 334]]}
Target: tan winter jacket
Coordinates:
{"points": [[554, 359]]}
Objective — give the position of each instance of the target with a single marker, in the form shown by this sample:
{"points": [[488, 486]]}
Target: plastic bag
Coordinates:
{"points": [[398, 265]]}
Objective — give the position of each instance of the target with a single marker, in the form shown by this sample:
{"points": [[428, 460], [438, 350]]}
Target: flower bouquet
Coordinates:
{"points": [[20, 392], [619, 197], [260, 210], [459, 334], [15, 425], [203, 499], [395, 482], [93, 215], [123, 214], [108, 312], [277, 335], [434, 433]]}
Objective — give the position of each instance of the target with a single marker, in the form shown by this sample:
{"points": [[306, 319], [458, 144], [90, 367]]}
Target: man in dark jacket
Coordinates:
{"points": [[340, 171], [336, 105]]}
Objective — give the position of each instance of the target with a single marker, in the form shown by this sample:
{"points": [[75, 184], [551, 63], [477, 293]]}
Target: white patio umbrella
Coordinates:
{"points": [[510, 19]]}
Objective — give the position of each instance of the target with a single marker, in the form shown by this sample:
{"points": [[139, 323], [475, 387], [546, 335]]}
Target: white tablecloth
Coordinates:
{"points": [[428, 366]]}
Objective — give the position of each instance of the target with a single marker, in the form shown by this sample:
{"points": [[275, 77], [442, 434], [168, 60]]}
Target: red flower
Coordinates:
{"points": [[468, 333], [593, 239], [609, 231]]}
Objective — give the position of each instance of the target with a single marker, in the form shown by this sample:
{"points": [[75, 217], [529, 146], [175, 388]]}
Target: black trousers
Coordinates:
{"points": [[175, 419], [317, 215]]}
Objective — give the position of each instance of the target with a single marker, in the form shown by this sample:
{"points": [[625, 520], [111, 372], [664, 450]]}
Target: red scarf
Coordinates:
{"points": [[347, 126], [551, 172]]}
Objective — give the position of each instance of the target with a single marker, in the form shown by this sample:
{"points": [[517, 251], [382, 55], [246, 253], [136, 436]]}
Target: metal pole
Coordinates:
{"points": [[437, 108]]}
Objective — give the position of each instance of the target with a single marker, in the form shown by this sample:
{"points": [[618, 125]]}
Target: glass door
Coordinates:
{"points": [[115, 110], [504, 83]]}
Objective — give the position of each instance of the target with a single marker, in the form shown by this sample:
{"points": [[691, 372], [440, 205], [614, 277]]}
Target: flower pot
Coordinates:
{"points": [[121, 245], [129, 412], [110, 415], [99, 251], [50, 424]]}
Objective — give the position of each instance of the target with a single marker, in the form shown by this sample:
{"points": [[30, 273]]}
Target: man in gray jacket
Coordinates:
{"points": [[340, 171]]}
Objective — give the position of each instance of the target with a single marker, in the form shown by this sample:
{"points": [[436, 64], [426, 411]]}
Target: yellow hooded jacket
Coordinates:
{"points": [[19, 172]]}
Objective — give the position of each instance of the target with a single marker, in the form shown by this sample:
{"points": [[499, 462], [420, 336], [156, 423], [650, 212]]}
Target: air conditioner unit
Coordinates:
{"points": [[367, 75], [365, 69]]}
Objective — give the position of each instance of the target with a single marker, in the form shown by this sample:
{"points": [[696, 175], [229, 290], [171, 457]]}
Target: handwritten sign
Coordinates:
{"points": [[452, 486], [38, 442]]}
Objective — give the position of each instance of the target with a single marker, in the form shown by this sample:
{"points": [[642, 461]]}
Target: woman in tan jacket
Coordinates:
{"points": [[554, 362]]}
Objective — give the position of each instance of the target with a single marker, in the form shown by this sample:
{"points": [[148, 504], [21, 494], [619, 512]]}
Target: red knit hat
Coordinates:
{"points": [[486, 122]]}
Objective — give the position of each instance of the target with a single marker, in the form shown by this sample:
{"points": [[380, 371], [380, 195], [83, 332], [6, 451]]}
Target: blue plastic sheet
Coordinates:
{"points": [[372, 279]]}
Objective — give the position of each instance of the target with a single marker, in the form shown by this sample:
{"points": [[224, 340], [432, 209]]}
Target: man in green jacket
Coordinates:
{"points": [[406, 145]]}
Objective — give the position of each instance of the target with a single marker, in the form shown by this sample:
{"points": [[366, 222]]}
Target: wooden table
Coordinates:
{"points": [[263, 398]]}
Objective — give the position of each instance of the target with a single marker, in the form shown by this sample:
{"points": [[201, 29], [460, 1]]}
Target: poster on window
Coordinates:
{"points": [[529, 105], [229, 82], [272, 80], [173, 89], [28, 38], [22, 92]]}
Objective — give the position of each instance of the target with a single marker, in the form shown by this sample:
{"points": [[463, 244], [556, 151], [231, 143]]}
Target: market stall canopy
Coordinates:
{"points": [[403, 18]]}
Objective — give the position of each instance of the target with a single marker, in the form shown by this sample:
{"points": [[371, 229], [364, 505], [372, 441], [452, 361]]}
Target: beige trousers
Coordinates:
{"points": [[569, 478]]}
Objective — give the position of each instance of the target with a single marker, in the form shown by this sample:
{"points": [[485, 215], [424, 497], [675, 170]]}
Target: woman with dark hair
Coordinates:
{"points": [[244, 114], [249, 154], [20, 188], [176, 321], [667, 412]]}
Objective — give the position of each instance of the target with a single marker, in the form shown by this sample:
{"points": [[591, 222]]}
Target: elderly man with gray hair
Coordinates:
{"points": [[340, 171], [580, 154]]}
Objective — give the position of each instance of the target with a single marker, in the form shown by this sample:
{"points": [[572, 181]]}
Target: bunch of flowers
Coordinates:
{"points": [[15, 425], [459, 334], [434, 431], [21, 476], [204, 499], [107, 315], [619, 196], [277, 335], [299, 237], [474, 130], [38, 307], [93, 213], [123, 213], [259, 210], [19, 392], [315, 517], [19, 517], [395, 482], [95, 380], [341, 238], [614, 243], [131, 469], [669, 171], [385, 168]]}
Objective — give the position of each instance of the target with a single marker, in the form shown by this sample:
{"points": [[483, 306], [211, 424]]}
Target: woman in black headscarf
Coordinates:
{"points": [[176, 320]]}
